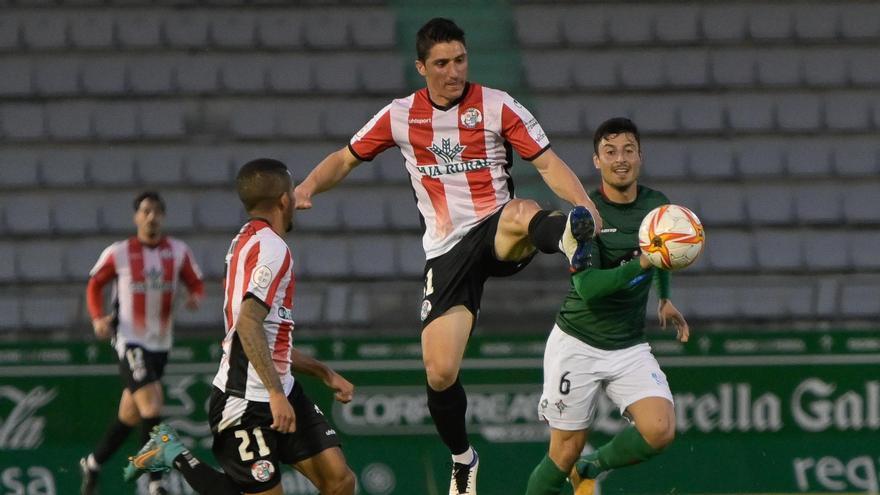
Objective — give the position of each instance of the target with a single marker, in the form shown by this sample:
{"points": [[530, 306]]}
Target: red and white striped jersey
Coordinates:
{"points": [[259, 265], [457, 158], [145, 280]]}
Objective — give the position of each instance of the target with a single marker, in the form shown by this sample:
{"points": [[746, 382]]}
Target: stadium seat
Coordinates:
{"points": [[724, 22], [559, 116], [864, 67], [111, 166], [363, 209], [90, 30], [117, 213], [208, 167], [860, 204], [778, 250], [600, 109], [28, 214], [162, 120], [18, 168], [233, 30], [335, 74], [857, 158], [538, 26], [69, 120], [280, 30], [769, 205], [825, 68], [138, 29], [308, 307], [778, 67], [714, 302], [336, 304], [401, 209], [817, 22], [411, 256], [324, 216], [711, 160], [9, 308], [290, 74], [643, 69], [56, 76], [391, 167], [373, 28], [858, 21], [798, 112], [326, 30], [159, 166], [826, 250], [22, 122], [663, 159], [44, 31], [686, 68], [701, 114], [7, 262], [81, 256], [301, 118], [863, 248], [342, 118], [51, 312], [219, 211], [253, 120], [244, 74], [209, 314], [760, 157], [17, 79], [820, 204], [186, 29], [584, 25], [593, 70], [677, 24], [777, 302], [63, 168], [179, 207], [771, 22], [548, 71], [383, 73], [373, 256], [847, 111], [152, 75], [722, 205], [639, 25], [198, 74], [326, 257], [76, 214], [115, 121], [860, 299], [40, 261], [655, 115], [734, 67], [104, 76], [731, 250], [9, 32], [810, 158]]}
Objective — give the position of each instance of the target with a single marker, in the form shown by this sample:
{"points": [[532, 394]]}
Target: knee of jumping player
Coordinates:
{"points": [[658, 433], [340, 483], [441, 375], [517, 214]]}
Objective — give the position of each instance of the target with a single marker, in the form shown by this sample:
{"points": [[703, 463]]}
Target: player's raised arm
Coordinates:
{"points": [[249, 327], [565, 183], [325, 176], [303, 363]]}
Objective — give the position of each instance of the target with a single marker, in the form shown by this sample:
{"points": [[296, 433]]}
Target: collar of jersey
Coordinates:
{"points": [[453, 103]]}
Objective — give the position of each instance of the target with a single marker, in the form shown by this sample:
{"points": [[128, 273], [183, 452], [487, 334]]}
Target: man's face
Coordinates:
{"points": [[445, 71], [148, 218], [619, 160]]}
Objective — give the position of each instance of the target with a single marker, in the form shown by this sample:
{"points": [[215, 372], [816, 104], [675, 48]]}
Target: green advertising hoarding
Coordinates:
{"points": [[756, 413]]}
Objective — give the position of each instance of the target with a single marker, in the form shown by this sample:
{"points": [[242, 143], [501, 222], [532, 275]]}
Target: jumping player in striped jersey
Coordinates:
{"points": [[145, 271], [457, 139], [259, 414]]}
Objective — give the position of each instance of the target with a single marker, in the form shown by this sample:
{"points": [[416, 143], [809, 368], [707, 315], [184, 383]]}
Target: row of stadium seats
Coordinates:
{"points": [[707, 299], [702, 67], [321, 28], [561, 24], [737, 113], [389, 257], [199, 73]]}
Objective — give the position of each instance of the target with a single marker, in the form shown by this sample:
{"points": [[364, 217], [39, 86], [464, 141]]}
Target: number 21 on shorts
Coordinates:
{"points": [[243, 452]]}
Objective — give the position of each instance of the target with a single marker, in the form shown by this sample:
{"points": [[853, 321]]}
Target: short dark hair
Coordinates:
{"points": [[617, 125], [437, 30], [261, 181], [152, 196]]}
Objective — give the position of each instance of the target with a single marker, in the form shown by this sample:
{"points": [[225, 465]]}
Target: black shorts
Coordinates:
{"points": [[139, 367], [251, 453], [457, 276]]}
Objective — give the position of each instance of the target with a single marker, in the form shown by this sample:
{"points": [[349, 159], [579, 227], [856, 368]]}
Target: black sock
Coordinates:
{"points": [[545, 230], [147, 425], [113, 438], [448, 408], [203, 478]]}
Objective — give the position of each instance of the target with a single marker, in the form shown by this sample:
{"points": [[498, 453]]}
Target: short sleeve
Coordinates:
{"points": [[106, 263], [522, 130], [374, 137], [270, 260]]}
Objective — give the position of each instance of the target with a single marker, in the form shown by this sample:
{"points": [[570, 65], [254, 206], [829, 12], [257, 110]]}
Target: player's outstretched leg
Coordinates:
{"points": [[157, 455], [576, 241]]}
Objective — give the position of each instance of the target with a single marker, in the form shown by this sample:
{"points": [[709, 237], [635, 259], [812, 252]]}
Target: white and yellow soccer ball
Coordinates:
{"points": [[672, 237]]}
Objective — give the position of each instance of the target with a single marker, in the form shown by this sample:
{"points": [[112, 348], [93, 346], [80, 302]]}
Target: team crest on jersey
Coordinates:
{"points": [[262, 470], [471, 118], [426, 309], [262, 276]]}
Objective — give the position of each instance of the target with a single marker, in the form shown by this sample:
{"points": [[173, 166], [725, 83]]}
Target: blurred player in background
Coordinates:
{"points": [[145, 270], [598, 342], [259, 414], [456, 138]]}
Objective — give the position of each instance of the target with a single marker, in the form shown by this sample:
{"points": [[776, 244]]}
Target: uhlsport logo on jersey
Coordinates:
{"points": [[450, 161], [471, 118]]}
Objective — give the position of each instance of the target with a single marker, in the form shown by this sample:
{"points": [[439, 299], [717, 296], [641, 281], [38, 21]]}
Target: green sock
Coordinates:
{"points": [[626, 448], [546, 479]]}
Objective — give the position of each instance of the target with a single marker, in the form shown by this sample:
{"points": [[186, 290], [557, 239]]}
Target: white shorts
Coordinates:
{"points": [[575, 371]]}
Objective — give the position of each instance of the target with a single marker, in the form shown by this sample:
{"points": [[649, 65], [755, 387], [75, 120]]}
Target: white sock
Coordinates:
{"points": [[466, 457], [154, 485], [92, 464]]}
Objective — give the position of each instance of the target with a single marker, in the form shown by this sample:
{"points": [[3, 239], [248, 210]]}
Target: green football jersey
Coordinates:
{"points": [[605, 306]]}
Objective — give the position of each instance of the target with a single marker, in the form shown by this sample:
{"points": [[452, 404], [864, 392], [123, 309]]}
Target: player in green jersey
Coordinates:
{"points": [[599, 342]]}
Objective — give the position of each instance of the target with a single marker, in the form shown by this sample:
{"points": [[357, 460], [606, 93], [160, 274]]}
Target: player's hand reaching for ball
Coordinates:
{"points": [[344, 389], [667, 311], [283, 417], [103, 326]]}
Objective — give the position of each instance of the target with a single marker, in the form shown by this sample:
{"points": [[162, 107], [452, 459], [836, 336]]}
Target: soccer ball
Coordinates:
{"points": [[672, 237]]}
